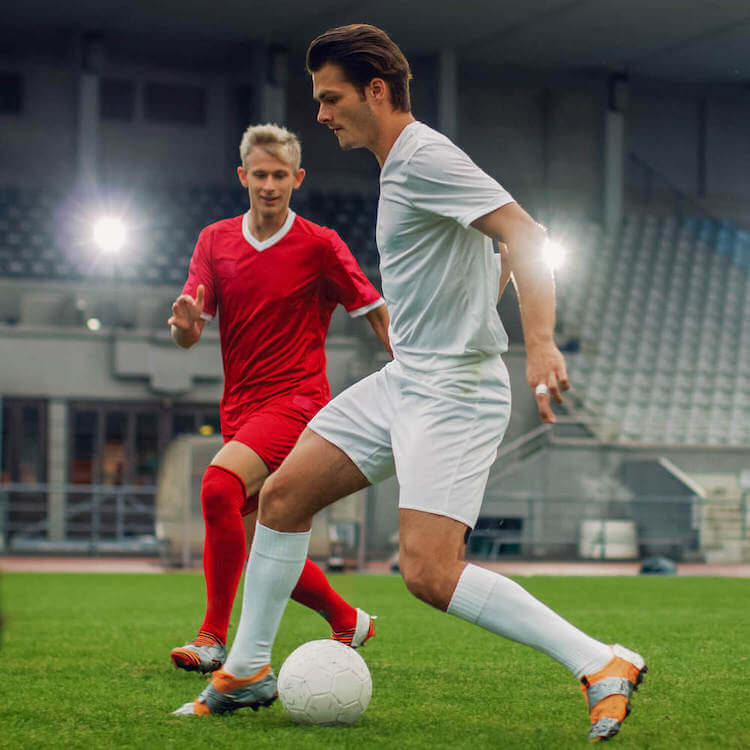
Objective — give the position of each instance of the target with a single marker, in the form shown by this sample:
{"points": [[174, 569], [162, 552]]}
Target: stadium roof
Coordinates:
{"points": [[681, 40]]}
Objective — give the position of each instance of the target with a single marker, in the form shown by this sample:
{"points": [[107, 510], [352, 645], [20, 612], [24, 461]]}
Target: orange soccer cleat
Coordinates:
{"points": [[608, 692], [226, 693]]}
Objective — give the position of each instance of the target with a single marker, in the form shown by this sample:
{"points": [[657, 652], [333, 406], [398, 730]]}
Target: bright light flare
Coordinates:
{"points": [[109, 234], [94, 324], [554, 254]]}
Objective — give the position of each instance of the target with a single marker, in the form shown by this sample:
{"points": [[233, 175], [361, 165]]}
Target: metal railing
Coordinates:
{"points": [[75, 517], [105, 519], [683, 527]]}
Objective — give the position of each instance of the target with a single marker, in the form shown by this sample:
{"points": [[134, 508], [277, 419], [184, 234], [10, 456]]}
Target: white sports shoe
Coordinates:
{"points": [[359, 634]]}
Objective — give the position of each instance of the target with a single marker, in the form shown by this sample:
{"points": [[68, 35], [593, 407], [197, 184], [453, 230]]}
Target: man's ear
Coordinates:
{"points": [[299, 177], [242, 175], [378, 89]]}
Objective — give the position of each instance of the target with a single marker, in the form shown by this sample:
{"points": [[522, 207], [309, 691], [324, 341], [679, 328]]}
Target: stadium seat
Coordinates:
{"points": [[665, 310]]}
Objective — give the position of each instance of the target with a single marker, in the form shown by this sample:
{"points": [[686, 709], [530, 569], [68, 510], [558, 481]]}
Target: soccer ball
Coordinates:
{"points": [[324, 682]]}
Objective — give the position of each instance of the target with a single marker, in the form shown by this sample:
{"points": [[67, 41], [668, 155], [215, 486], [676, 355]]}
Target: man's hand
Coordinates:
{"points": [[545, 366], [524, 240], [186, 321], [379, 320]]}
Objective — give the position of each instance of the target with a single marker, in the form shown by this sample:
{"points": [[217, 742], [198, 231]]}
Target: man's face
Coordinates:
{"points": [[269, 181], [342, 108]]}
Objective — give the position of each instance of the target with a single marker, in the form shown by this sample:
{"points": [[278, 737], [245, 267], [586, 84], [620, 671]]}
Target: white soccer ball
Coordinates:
{"points": [[324, 682]]}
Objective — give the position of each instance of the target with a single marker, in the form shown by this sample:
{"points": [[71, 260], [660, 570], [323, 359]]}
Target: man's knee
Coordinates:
{"points": [[420, 576], [222, 492], [276, 501]]}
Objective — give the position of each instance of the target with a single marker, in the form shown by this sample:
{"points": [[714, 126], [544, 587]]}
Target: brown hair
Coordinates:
{"points": [[364, 52]]}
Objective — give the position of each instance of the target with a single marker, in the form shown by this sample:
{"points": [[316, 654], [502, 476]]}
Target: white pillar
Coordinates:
{"points": [[275, 75], [57, 466], [88, 111], [614, 169], [448, 94]]}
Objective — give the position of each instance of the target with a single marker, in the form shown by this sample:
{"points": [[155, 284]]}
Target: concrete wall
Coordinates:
{"points": [[541, 137], [540, 134], [558, 487], [148, 153], [666, 128], [662, 129], [39, 146]]}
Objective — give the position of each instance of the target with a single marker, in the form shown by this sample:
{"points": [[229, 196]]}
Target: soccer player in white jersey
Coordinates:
{"points": [[436, 414]]}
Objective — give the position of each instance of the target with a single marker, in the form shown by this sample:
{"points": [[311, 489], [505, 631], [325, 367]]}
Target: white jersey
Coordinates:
{"points": [[440, 276]]}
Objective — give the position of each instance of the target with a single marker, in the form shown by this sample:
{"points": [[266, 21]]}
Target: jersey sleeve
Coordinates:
{"points": [[445, 181], [201, 272], [345, 281]]}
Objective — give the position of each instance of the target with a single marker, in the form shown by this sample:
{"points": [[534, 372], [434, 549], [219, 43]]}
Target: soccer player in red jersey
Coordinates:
{"points": [[275, 279]]}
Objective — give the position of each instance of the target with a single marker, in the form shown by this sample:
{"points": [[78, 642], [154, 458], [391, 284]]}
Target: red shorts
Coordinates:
{"points": [[271, 430]]}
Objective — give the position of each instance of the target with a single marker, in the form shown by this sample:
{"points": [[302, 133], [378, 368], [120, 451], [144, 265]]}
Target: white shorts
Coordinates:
{"points": [[439, 432]]}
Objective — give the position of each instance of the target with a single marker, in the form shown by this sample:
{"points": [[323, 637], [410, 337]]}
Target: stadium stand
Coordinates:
{"points": [[662, 313], [44, 235]]}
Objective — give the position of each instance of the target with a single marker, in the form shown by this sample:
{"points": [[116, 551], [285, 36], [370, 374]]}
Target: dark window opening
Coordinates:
{"points": [[171, 103], [11, 93], [116, 99]]}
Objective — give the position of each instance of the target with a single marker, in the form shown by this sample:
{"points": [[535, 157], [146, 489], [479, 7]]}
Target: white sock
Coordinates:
{"points": [[275, 564], [501, 606]]}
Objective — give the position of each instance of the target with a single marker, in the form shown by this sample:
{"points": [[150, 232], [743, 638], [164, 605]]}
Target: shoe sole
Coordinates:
{"points": [[190, 662], [262, 704]]}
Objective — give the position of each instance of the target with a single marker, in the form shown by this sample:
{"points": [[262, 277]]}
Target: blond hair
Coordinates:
{"points": [[274, 140]]}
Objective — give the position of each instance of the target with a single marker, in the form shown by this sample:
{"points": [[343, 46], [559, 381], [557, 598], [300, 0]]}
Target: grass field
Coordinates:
{"points": [[85, 664]]}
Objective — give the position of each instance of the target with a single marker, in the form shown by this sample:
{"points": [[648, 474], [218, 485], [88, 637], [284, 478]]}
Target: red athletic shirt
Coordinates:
{"points": [[275, 299]]}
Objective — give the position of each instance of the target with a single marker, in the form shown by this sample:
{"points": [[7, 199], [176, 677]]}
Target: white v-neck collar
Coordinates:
{"points": [[273, 239]]}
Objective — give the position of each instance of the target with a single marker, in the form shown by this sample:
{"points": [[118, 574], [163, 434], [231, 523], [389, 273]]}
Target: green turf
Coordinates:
{"points": [[85, 664]]}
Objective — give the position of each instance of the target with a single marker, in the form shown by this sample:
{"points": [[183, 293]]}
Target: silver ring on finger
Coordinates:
{"points": [[541, 390]]}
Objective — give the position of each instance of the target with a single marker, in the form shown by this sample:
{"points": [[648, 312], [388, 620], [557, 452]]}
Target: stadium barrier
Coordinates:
{"points": [[107, 520], [77, 518]]}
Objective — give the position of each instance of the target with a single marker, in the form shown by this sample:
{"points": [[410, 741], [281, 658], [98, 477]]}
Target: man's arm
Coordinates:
{"points": [[380, 320], [535, 285], [186, 323], [505, 269]]}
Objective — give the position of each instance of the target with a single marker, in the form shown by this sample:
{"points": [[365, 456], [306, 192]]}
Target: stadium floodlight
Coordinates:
{"points": [[109, 234], [93, 324], [554, 254]]}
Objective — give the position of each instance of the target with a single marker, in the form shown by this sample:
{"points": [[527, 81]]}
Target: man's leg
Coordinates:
{"points": [[315, 474], [235, 471], [429, 558], [349, 625], [229, 533], [431, 562]]}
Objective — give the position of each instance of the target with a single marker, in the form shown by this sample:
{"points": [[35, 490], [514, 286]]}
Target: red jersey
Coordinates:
{"points": [[275, 299]]}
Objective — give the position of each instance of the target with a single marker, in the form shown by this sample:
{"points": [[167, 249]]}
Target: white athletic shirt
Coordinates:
{"points": [[440, 276]]}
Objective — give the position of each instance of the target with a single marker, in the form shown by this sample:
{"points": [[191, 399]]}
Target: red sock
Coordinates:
{"points": [[224, 553], [314, 591]]}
